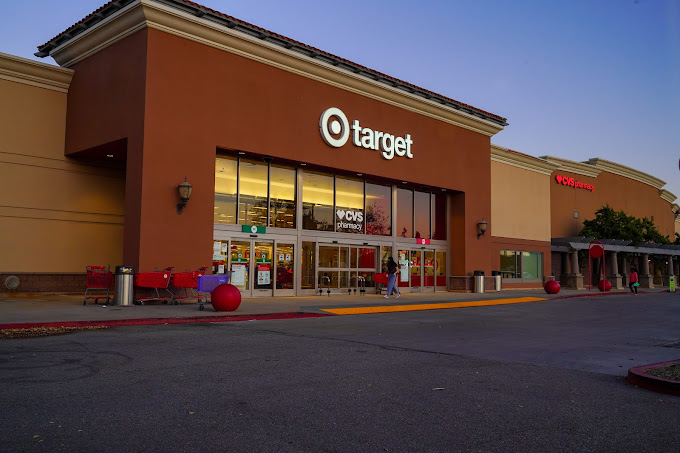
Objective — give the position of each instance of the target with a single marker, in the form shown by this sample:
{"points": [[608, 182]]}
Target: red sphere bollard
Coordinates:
{"points": [[225, 297], [604, 285], [552, 287]]}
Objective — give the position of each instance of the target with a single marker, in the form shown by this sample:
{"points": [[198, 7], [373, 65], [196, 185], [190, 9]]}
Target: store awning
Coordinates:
{"points": [[614, 245]]}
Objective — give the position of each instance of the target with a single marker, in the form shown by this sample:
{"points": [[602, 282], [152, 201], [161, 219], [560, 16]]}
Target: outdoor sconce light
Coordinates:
{"points": [[481, 226], [184, 190]]}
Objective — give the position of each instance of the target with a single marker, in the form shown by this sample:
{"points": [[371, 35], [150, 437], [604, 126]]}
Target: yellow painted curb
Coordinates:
{"points": [[418, 307]]}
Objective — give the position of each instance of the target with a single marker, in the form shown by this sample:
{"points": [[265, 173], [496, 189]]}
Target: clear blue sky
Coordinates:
{"points": [[575, 78]]}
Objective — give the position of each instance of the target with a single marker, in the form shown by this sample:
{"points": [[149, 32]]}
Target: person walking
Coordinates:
{"points": [[633, 281], [392, 272]]}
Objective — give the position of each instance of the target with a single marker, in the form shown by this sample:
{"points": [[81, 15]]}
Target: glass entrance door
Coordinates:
{"points": [[428, 271], [416, 271], [285, 269], [419, 270], [440, 271], [346, 269], [239, 261], [404, 276], [252, 267], [263, 268]]}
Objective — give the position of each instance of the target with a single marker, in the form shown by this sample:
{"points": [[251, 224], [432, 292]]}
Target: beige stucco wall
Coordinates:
{"points": [[56, 215], [520, 203]]}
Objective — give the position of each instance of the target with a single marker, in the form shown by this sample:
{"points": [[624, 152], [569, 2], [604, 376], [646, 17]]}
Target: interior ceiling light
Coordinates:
{"points": [[109, 155]]}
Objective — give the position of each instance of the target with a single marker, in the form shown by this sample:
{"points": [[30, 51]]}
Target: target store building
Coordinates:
{"points": [[306, 170]]}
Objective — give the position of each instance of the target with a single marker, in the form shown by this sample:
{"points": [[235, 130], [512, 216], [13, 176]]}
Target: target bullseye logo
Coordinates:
{"points": [[335, 131], [334, 127]]}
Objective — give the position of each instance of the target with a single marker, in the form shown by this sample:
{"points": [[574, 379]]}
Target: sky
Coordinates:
{"points": [[575, 79]]}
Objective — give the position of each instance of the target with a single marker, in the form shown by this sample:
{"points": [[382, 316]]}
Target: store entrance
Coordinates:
{"points": [[422, 270], [345, 269], [259, 268]]}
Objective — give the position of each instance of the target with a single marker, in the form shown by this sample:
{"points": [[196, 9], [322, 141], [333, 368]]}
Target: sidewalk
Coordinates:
{"points": [[62, 308]]}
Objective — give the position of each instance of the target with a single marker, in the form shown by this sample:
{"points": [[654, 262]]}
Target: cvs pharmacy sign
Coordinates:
{"points": [[349, 220]]}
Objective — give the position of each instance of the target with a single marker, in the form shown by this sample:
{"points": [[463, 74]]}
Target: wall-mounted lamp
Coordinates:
{"points": [[184, 190], [481, 228]]}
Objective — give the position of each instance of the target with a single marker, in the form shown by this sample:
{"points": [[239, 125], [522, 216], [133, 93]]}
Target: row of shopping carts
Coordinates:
{"points": [[164, 285]]}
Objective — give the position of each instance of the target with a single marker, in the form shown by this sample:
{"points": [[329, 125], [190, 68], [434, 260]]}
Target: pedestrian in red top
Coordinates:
{"points": [[633, 281]]}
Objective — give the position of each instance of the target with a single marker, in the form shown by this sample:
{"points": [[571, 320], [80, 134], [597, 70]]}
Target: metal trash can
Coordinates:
{"points": [[124, 285], [497, 276], [478, 280]]}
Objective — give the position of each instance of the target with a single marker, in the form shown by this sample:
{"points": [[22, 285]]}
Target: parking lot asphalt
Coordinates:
{"points": [[25, 311]]}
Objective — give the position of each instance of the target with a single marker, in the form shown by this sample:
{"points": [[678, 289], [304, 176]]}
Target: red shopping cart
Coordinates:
{"points": [[189, 281], [207, 283], [155, 280], [98, 279], [380, 279]]}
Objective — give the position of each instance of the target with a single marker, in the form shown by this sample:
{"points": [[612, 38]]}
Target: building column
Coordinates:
{"points": [[565, 266], [646, 280], [614, 277], [574, 279]]}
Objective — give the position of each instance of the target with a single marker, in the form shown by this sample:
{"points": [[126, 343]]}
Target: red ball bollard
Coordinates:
{"points": [[552, 287], [604, 285], [225, 297]]}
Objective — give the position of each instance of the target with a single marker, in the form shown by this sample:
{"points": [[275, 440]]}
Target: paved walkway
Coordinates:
{"points": [[51, 308]]}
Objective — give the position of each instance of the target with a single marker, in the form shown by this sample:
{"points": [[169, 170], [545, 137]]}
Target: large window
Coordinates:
{"points": [[422, 214], [252, 180], [266, 196], [317, 201], [439, 216], [349, 205], [404, 213], [253, 192], [378, 209], [521, 265], [226, 172], [282, 197], [532, 265]]}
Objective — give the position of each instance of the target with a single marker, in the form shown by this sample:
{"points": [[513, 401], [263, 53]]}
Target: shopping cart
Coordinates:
{"points": [[189, 281], [207, 283], [98, 279], [155, 280], [380, 279]]}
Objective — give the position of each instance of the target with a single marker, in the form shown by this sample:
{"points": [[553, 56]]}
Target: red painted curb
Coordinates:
{"points": [[156, 321], [639, 377]]}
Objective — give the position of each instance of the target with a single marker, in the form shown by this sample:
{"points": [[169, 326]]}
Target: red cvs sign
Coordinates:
{"points": [[567, 181]]}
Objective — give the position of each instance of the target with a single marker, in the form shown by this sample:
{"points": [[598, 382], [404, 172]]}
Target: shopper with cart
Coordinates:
{"points": [[392, 272]]}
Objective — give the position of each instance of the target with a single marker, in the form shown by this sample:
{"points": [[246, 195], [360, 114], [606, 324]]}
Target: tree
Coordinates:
{"points": [[610, 224]]}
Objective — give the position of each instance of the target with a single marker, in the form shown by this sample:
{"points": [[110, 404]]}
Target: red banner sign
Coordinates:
{"points": [[423, 241]]}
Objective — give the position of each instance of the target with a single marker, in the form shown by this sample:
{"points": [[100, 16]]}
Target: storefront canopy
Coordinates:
{"points": [[614, 245]]}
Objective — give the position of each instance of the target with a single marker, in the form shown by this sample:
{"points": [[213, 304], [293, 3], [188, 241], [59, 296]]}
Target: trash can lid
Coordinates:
{"points": [[124, 270], [478, 273]]}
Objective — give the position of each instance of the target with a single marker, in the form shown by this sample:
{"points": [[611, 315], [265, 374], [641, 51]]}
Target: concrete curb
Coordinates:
{"points": [[639, 377]]}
